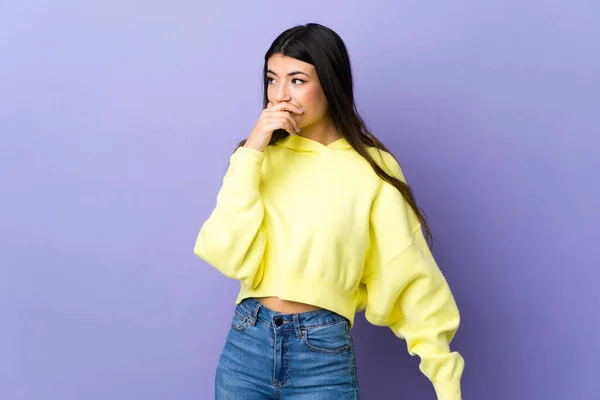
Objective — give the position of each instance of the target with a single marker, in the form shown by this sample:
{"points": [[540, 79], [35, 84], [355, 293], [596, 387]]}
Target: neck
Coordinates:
{"points": [[323, 131]]}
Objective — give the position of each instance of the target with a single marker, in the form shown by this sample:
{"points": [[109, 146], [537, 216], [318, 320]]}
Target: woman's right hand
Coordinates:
{"points": [[272, 118]]}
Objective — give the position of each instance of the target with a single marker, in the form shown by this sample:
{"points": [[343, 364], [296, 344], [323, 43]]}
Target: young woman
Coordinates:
{"points": [[317, 222]]}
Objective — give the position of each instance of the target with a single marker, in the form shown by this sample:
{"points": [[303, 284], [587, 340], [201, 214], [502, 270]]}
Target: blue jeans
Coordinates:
{"points": [[301, 356]]}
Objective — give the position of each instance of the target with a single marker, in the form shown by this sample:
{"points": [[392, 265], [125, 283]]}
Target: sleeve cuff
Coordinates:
{"points": [[447, 390]]}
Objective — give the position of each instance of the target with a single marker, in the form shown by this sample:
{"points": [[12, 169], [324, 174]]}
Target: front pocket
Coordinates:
{"points": [[331, 339], [239, 321]]}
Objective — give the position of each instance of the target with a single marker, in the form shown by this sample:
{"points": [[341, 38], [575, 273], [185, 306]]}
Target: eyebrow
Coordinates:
{"points": [[290, 74]]}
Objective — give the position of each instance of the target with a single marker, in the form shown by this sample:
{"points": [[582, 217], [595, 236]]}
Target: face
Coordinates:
{"points": [[296, 82]]}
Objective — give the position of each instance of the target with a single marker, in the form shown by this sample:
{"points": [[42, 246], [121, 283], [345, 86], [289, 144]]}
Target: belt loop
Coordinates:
{"points": [[297, 325], [254, 316]]}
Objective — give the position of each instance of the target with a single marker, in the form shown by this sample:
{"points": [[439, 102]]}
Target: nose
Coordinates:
{"points": [[282, 93]]}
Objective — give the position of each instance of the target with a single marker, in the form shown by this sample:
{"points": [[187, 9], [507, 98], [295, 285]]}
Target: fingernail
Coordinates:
{"points": [[298, 129]]}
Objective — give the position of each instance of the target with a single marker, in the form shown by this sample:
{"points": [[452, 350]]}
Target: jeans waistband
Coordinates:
{"points": [[257, 311]]}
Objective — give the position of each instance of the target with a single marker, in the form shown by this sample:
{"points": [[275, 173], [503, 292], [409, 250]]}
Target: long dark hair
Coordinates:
{"points": [[325, 50]]}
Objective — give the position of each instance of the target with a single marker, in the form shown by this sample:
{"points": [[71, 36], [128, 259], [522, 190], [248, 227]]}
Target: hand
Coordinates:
{"points": [[272, 118]]}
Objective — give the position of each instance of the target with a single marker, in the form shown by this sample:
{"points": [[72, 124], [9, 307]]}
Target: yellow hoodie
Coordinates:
{"points": [[315, 224]]}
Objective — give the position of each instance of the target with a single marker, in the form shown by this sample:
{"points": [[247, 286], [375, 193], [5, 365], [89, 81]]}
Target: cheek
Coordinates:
{"points": [[314, 103]]}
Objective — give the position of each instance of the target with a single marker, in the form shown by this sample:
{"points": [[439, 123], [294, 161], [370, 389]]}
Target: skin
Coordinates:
{"points": [[297, 104]]}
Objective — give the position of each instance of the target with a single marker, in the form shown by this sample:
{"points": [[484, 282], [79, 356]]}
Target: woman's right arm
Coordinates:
{"points": [[232, 239]]}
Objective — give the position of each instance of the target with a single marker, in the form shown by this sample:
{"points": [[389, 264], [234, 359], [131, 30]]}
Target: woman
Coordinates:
{"points": [[315, 219]]}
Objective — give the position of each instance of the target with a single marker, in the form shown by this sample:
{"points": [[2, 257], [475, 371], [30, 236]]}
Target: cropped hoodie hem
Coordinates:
{"points": [[294, 286]]}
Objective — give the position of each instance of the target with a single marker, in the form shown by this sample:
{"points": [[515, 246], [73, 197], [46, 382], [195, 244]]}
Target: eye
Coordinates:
{"points": [[270, 80], [298, 80]]}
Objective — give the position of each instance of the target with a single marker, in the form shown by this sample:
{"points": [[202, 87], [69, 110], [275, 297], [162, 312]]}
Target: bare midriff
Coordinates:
{"points": [[286, 306]]}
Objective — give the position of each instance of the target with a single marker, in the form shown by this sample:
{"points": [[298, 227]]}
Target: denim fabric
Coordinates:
{"points": [[300, 356]]}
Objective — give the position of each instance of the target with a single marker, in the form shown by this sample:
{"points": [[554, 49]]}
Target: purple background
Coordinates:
{"points": [[117, 120]]}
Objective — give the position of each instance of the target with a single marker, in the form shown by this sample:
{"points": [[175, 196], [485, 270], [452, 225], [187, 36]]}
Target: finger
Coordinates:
{"points": [[289, 107], [273, 125], [284, 124], [294, 129], [293, 122], [282, 115]]}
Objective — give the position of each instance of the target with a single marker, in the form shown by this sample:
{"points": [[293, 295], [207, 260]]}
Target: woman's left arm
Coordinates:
{"points": [[407, 292]]}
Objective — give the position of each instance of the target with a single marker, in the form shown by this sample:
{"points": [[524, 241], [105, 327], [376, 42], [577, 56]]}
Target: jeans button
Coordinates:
{"points": [[278, 321]]}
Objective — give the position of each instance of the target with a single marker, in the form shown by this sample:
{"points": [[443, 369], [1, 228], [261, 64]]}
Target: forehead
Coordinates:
{"points": [[284, 64]]}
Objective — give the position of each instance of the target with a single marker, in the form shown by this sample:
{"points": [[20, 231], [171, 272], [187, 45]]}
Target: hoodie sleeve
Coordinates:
{"points": [[232, 239], [406, 290]]}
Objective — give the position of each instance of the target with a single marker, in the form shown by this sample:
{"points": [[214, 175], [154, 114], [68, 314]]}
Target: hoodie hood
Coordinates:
{"points": [[302, 143]]}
